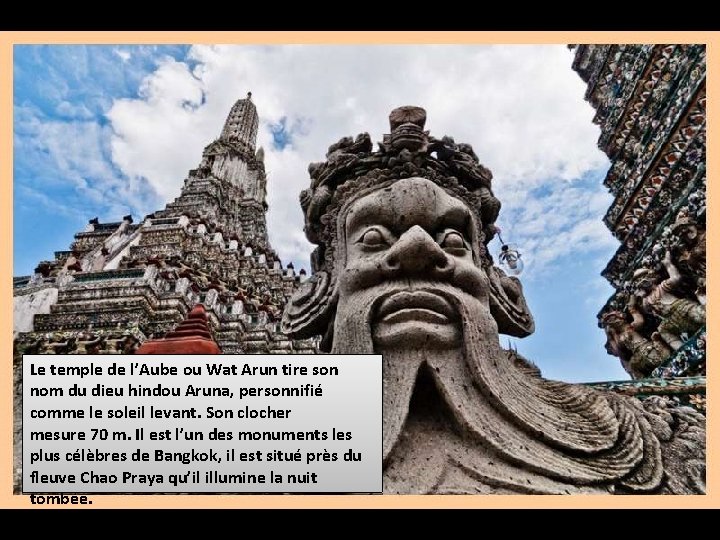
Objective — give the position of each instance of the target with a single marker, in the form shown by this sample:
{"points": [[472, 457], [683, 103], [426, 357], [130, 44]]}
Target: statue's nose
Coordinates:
{"points": [[416, 252]]}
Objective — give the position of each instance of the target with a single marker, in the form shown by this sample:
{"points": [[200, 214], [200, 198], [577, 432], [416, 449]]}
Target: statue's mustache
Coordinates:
{"points": [[390, 296], [406, 299], [356, 317]]}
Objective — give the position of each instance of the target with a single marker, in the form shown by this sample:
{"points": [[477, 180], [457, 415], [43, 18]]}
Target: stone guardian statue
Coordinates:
{"points": [[402, 269]]}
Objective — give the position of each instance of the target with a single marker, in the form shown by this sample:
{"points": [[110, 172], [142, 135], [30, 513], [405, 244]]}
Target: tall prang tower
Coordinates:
{"points": [[650, 103], [123, 283]]}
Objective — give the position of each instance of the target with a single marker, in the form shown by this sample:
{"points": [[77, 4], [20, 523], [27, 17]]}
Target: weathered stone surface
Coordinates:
{"points": [[34, 301], [407, 114], [402, 269]]}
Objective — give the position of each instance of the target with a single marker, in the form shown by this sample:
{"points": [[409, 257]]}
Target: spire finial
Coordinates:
{"points": [[242, 123]]}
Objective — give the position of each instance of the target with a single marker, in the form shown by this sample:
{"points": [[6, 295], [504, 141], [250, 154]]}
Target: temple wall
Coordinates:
{"points": [[231, 168], [25, 308], [114, 263]]}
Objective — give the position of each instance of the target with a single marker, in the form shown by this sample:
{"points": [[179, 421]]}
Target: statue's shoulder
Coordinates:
{"points": [[679, 434]]}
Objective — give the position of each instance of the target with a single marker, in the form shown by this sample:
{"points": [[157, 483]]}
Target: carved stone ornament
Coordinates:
{"points": [[401, 269]]}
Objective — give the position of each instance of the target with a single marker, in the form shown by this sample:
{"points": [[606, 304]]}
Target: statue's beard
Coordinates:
{"points": [[565, 431]]}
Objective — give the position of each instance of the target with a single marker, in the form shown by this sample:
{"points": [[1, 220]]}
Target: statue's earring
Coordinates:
{"points": [[508, 306]]}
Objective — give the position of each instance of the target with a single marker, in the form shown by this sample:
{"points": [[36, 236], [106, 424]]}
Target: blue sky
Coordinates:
{"points": [[112, 130]]}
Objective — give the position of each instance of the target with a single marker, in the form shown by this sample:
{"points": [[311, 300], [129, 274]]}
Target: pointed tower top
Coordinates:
{"points": [[242, 123]]}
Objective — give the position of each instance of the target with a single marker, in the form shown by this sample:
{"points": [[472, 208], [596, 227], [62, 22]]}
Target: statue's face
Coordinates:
{"points": [[410, 251], [644, 284]]}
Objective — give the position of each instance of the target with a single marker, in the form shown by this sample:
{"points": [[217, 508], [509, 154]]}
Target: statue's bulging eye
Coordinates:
{"points": [[373, 238], [453, 240]]}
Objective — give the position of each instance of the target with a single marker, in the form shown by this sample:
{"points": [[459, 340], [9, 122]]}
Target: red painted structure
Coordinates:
{"points": [[192, 336]]}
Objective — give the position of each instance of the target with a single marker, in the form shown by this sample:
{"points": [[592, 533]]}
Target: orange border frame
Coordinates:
{"points": [[8, 500]]}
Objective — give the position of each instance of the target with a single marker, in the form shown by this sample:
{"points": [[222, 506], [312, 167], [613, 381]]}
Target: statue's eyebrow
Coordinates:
{"points": [[456, 217], [364, 212], [367, 211]]}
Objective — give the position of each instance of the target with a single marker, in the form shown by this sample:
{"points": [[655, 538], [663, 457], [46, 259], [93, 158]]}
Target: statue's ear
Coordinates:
{"points": [[508, 306], [309, 311]]}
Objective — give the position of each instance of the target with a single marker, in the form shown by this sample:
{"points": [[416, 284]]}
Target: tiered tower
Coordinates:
{"points": [[650, 106], [123, 283]]}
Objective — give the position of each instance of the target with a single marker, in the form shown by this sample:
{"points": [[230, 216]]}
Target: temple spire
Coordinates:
{"points": [[242, 123]]}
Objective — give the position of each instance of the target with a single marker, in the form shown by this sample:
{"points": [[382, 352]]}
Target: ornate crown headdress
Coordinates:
{"points": [[405, 152]]}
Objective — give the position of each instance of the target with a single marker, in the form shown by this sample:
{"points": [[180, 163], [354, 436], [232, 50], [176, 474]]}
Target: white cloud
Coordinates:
{"points": [[124, 55], [75, 146], [33, 196], [156, 137], [76, 111], [564, 219], [521, 107], [75, 153]]}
